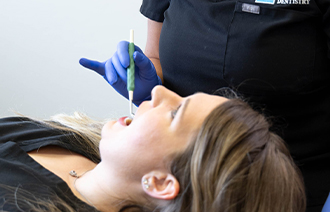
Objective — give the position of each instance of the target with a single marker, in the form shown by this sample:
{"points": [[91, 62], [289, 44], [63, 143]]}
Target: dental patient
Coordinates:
{"points": [[201, 153]]}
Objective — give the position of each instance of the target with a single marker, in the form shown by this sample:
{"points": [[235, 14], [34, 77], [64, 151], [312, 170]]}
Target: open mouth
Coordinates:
{"points": [[125, 121], [128, 121]]}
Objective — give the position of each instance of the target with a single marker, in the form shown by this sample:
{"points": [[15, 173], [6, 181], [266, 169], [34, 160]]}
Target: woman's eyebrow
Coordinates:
{"points": [[184, 107]]}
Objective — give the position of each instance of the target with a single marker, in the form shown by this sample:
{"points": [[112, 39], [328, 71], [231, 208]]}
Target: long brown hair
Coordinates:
{"points": [[236, 164]]}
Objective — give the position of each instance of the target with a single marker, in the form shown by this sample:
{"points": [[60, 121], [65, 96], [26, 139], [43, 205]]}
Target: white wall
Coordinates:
{"points": [[41, 42]]}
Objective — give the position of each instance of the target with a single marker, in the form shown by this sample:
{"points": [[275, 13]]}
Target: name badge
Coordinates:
{"points": [[265, 1], [250, 8]]}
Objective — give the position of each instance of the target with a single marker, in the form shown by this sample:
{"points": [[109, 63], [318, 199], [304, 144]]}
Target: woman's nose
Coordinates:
{"points": [[160, 94]]}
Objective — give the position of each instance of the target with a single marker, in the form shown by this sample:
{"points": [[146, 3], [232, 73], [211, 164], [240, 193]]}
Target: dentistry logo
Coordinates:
{"points": [[283, 1], [293, 1]]}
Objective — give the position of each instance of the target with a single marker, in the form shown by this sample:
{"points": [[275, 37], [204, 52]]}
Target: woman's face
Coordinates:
{"points": [[161, 127]]}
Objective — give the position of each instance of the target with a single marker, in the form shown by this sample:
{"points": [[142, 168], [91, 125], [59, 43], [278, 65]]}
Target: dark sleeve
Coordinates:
{"points": [[30, 135], [154, 9]]}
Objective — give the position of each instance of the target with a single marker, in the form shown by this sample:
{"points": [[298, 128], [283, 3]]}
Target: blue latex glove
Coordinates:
{"points": [[326, 207], [114, 72]]}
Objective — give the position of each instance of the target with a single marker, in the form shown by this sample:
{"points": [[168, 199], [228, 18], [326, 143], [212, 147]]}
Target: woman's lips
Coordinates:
{"points": [[125, 121]]}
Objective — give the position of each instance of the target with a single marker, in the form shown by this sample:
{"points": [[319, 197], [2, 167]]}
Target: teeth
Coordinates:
{"points": [[128, 121]]}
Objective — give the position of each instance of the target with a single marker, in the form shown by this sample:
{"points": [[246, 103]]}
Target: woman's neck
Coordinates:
{"points": [[61, 161], [103, 191], [96, 185]]}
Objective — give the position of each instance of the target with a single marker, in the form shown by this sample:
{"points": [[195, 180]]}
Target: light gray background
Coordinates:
{"points": [[41, 42]]}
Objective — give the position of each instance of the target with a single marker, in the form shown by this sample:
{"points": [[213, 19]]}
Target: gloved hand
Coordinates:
{"points": [[114, 71], [326, 207]]}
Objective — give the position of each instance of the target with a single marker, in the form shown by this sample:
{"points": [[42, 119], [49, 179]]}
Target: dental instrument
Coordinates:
{"points": [[131, 73]]}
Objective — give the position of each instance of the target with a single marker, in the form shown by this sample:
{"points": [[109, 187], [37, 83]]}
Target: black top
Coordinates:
{"points": [[19, 171], [276, 53]]}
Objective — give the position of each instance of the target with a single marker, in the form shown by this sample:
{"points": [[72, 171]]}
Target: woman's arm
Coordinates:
{"points": [[152, 46]]}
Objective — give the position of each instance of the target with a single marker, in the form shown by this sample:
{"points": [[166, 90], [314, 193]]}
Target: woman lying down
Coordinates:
{"points": [[202, 153]]}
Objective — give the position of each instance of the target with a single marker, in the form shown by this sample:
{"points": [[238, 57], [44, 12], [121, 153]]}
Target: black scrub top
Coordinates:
{"points": [[274, 53], [19, 171]]}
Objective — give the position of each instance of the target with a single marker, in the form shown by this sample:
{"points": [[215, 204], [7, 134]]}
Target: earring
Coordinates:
{"points": [[145, 183]]}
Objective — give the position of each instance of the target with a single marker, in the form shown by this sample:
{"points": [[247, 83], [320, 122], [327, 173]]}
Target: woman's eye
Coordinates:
{"points": [[173, 112]]}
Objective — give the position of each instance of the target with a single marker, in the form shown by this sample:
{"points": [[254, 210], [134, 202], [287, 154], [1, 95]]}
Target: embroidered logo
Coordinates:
{"points": [[292, 1]]}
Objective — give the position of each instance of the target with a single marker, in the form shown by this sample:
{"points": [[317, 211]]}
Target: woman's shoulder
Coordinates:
{"points": [[29, 134]]}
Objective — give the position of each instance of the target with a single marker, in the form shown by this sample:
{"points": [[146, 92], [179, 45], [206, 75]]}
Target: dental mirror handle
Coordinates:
{"points": [[131, 72]]}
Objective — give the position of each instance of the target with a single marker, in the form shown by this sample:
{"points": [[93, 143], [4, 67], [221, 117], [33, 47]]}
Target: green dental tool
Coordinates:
{"points": [[131, 73]]}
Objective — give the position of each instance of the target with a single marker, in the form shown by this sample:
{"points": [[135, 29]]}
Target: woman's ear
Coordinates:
{"points": [[160, 185]]}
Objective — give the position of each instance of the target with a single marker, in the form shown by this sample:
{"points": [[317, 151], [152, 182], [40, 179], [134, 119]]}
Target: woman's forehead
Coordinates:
{"points": [[200, 106], [204, 99]]}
